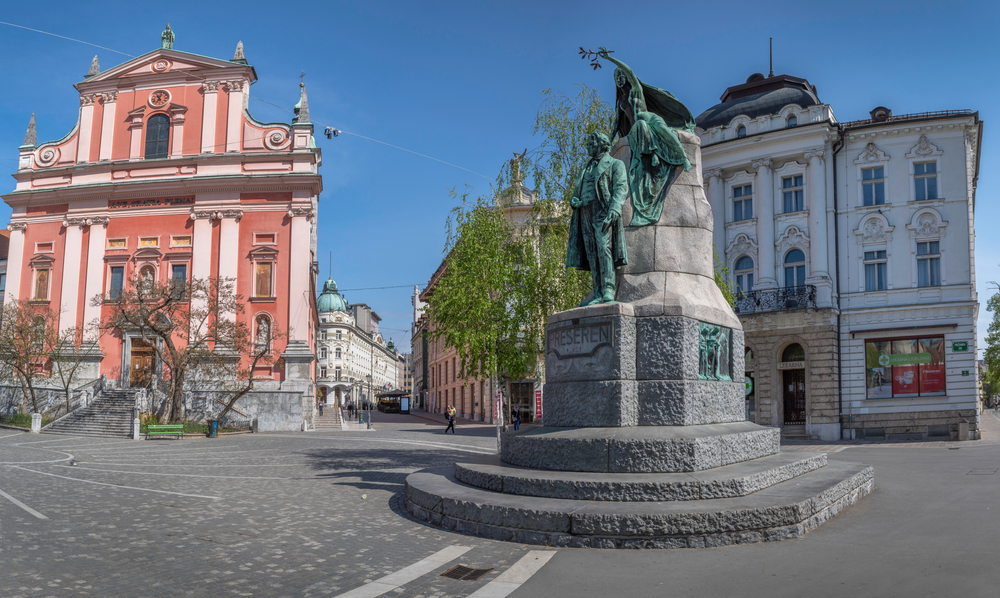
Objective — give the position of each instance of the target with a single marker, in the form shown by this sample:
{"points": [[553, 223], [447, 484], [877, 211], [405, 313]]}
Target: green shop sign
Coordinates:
{"points": [[959, 346], [903, 359]]}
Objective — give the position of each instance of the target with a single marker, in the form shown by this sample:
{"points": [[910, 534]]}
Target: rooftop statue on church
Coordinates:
{"points": [[167, 38], [649, 118]]}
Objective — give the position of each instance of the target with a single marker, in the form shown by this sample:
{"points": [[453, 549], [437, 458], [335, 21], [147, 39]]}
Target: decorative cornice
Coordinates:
{"points": [[13, 226], [742, 245], [81, 222], [924, 149], [210, 86], [871, 155], [87, 99], [109, 96], [101, 220], [237, 214], [764, 163], [204, 215], [235, 85], [300, 212], [715, 173]]}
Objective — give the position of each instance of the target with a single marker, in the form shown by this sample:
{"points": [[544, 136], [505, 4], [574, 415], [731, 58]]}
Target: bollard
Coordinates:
{"points": [[253, 425], [36, 423], [136, 426], [963, 429]]}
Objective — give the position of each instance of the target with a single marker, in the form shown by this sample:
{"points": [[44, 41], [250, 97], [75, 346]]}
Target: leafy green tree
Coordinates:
{"points": [[991, 355], [722, 278]]}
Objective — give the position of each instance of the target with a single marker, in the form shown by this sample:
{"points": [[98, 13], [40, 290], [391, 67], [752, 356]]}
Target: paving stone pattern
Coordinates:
{"points": [[289, 519]]}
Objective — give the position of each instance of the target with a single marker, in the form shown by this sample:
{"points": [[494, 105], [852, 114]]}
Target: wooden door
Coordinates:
{"points": [[141, 370], [795, 397]]}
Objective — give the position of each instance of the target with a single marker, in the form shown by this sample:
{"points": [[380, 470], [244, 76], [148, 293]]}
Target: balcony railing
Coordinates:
{"points": [[775, 299]]}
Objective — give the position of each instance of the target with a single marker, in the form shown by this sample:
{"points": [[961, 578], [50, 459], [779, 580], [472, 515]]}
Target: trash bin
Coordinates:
{"points": [[213, 428]]}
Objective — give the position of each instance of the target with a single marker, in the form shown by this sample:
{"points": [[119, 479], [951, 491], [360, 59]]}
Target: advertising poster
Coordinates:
{"points": [[538, 404], [905, 379], [932, 374], [879, 372]]}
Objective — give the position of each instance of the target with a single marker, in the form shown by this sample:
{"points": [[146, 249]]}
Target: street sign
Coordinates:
{"points": [[965, 372], [959, 346]]}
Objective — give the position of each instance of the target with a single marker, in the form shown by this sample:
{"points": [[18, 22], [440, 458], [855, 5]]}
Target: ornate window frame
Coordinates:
{"points": [[739, 179], [924, 151], [874, 233], [870, 157], [925, 226], [262, 255], [37, 264]]}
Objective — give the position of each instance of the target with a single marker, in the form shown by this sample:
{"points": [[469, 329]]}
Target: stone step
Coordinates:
{"points": [[785, 510], [738, 479], [639, 449]]}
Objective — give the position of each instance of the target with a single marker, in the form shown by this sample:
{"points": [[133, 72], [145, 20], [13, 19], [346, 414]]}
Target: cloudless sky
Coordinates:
{"points": [[461, 81]]}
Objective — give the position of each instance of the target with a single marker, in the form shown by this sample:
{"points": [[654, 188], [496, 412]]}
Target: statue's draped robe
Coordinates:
{"points": [[656, 150], [611, 187]]}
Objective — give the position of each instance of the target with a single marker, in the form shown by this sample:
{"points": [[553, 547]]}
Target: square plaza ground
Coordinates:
{"points": [[319, 514]]}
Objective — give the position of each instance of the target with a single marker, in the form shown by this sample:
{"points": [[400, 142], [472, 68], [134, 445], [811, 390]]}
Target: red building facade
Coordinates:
{"points": [[166, 174]]}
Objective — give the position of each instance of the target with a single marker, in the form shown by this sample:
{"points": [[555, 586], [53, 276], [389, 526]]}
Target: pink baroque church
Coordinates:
{"points": [[167, 174]]}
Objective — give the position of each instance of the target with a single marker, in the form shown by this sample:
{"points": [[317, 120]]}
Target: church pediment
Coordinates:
{"points": [[162, 61]]}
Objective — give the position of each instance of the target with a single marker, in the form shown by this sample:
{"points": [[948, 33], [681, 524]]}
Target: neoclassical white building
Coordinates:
{"points": [[350, 348], [834, 234]]}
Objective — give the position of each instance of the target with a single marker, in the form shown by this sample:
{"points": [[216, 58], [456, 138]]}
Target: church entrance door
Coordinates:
{"points": [[141, 370]]}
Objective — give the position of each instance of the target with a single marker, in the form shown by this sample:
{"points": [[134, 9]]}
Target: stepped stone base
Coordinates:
{"points": [[728, 481], [640, 449], [785, 510]]}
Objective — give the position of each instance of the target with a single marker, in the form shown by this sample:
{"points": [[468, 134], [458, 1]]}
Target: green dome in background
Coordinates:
{"points": [[330, 299]]}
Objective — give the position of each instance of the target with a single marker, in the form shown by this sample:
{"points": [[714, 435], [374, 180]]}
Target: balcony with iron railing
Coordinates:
{"points": [[784, 299]]}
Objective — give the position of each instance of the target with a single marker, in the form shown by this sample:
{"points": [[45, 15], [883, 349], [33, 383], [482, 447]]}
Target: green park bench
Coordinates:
{"points": [[164, 429]]}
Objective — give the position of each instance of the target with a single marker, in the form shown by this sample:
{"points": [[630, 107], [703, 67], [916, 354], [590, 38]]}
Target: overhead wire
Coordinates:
{"points": [[260, 100]]}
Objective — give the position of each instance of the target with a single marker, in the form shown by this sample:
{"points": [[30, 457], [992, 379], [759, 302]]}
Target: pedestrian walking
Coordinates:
{"points": [[350, 410], [450, 414], [517, 420], [321, 408]]}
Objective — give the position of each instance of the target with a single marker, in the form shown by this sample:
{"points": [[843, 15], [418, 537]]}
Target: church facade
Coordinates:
{"points": [[167, 175]]}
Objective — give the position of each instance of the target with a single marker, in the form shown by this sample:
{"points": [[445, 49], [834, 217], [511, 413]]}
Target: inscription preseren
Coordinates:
{"points": [[579, 341]]}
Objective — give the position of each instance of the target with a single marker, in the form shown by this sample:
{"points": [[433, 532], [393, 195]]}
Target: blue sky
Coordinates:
{"points": [[462, 81]]}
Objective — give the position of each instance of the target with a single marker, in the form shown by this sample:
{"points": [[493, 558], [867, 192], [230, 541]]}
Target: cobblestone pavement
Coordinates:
{"points": [[319, 514], [308, 514]]}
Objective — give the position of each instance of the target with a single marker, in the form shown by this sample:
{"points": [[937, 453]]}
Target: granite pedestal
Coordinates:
{"points": [[645, 443]]}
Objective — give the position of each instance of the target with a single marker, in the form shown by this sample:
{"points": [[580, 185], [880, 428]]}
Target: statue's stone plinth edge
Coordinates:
{"points": [[593, 311]]}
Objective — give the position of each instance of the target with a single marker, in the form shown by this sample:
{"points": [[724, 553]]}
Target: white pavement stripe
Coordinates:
{"points": [[406, 575], [183, 475], [14, 434], [116, 485], [22, 505], [512, 578], [452, 447]]}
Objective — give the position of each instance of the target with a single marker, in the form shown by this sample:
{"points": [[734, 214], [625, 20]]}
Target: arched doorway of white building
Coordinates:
{"points": [[793, 385]]}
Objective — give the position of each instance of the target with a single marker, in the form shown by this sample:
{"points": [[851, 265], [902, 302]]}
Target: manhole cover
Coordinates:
{"points": [[465, 573], [982, 471], [226, 537]]}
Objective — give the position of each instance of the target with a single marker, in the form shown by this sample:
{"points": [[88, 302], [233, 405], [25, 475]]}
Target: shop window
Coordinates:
{"points": [[873, 186], [792, 194], [925, 180], [795, 268], [875, 271], [742, 202], [909, 367], [157, 136]]}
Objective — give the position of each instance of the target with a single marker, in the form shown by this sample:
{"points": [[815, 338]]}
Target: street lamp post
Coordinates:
{"points": [[369, 418]]}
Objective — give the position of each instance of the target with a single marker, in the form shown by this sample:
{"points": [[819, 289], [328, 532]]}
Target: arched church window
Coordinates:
{"points": [[157, 136]]}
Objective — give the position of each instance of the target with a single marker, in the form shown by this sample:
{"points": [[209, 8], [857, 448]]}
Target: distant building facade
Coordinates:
{"points": [[350, 348], [850, 246]]}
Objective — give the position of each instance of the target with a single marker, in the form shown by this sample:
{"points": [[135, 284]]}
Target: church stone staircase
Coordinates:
{"points": [[110, 415], [329, 420]]}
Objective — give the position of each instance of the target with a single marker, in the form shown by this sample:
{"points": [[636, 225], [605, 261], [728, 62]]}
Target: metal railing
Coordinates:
{"points": [[904, 117], [787, 298]]}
